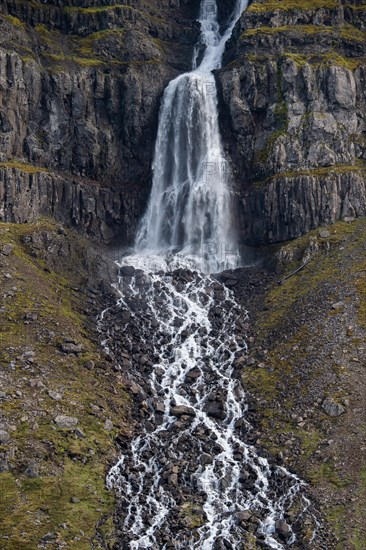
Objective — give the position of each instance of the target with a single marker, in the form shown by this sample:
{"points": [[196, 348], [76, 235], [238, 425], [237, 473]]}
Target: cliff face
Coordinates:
{"points": [[293, 105], [81, 87], [80, 92]]}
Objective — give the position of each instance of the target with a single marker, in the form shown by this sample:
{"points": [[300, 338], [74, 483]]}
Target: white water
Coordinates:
{"points": [[191, 202], [191, 323]]}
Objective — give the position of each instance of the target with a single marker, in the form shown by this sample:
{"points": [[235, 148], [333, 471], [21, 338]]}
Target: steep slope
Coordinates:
{"points": [[293, 110], [62, 400], [305, 371], [81, 86]]}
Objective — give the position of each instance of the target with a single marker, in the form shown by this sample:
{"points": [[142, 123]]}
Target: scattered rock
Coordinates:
{"points": [[338, 305], [108, 425], [36, 384], [32, 470], [194, 374], [4, 466], [71, 347], [63, 421], [127, 271], [159, 406], [332, 408], [55, 395], [215, 409], [182, 410], [4, 437], [324, 234], [243, 517], [283, 529], [79, 433], [48, 537], [30, 317], [7, 249]]}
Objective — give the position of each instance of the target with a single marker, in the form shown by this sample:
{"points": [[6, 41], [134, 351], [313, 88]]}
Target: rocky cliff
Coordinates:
{"points": [[293, 105], [80, 91]]}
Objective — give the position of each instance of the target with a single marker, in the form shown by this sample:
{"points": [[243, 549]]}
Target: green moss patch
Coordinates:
{"points": [[289, 5], [41, 307], [23, 167]]}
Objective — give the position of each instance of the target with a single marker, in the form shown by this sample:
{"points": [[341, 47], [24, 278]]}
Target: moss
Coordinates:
{"points": [[316, 61], [315, 172], [69, 467], [83, 61], [98, 9], [327, 473], [348, 32], [85, 47], [288, 5], [14, 21], [192, 515], [23, 167], [41, 505]]}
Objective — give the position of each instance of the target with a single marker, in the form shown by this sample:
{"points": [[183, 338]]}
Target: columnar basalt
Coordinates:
{"points": [[81, 88], [293, 116]]}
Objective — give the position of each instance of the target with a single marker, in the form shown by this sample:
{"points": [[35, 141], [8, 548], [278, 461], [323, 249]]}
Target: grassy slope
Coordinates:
{"points": [[49, 278], [305, 350]]}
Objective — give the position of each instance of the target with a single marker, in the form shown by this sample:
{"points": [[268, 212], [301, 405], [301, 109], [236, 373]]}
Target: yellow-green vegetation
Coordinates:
{"points": [[23, 166], [31, 508], [314, 172], [297, 327], [14, 20], [98, 9], [68, 497], [336, 516], [86, 46], [288, 5], [314, 60], [348, 32], [192, 515], [83, 61], [113, 7], [326, 60]]}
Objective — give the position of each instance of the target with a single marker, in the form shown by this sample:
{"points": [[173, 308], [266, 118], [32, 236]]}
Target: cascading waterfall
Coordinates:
{"points": [[191, 203], [193, 460]]}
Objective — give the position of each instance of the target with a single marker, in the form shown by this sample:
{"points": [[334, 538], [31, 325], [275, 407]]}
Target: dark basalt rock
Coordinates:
{"points": [[293, 118]]}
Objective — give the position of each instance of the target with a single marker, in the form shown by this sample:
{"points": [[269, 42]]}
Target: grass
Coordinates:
{"points": [[23, 166], [39, 506], [70, 468], [314, 172], [14, 21], [289, 5], [348, 32], [288, 357]]}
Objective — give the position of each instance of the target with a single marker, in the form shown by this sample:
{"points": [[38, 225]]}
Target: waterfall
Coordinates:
{"points": [[193, 459], [191, 203]]}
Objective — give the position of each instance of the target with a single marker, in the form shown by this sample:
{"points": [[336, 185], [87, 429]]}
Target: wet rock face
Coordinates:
{"points": [[293, 117], [81, 88]]}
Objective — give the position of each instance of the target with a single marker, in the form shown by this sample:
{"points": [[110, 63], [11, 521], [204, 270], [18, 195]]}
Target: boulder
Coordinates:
{"points": [[182, 410], [66, 422], [332, 408]]}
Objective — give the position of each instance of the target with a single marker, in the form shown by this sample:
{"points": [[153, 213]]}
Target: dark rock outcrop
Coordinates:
{"points": [[81, 87], [80, 92], [293, 119]]}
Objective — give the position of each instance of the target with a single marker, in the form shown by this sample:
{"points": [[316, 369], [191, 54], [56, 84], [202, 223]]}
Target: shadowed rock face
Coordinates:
{"points": [[81, 88], [293, 116], [80, 92]]}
